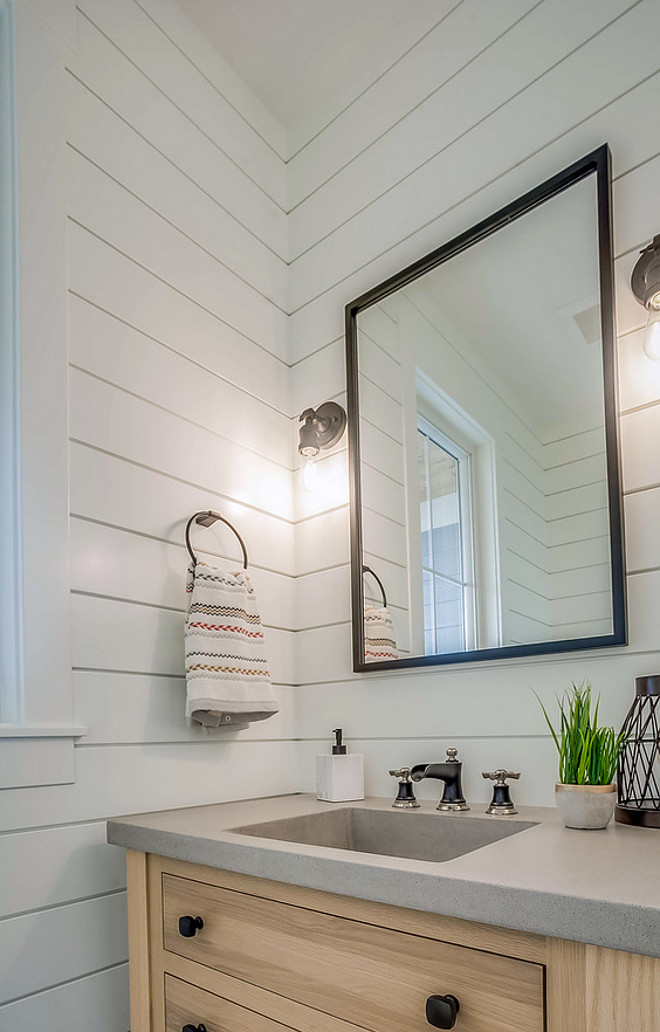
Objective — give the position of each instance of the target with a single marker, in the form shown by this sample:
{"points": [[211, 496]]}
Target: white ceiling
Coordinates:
{"points": [[306, 59]]}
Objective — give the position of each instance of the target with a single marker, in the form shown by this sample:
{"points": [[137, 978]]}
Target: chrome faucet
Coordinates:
{"points": [[450, 773]]}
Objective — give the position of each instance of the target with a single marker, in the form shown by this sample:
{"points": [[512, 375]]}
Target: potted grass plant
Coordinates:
{"points": [[588, 758]]}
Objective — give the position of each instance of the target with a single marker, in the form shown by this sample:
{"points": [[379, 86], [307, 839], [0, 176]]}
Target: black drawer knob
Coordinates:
{"points": [[441, 1011], [189, 926], [194, 1028]]}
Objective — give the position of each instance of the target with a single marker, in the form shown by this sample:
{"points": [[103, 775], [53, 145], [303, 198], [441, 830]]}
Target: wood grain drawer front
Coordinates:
{"points": [[370, 976], [185, 1004]]}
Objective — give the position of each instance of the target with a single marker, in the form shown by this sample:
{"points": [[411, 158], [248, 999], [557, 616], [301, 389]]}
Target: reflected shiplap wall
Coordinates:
{"points": [[383, 469], [540, 506], [179, 388], [498, 98]]}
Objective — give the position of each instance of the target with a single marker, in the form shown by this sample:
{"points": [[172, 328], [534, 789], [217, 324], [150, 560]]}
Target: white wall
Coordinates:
{"points": [[178, 401], [181, 397], [501, 97]]}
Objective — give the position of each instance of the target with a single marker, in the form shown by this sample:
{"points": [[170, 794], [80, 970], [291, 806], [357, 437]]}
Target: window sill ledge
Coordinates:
{"points": [[36, 755], [41, 731]]}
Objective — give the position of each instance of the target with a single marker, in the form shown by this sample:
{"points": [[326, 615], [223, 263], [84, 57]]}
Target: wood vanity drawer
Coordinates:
{"points": [[370, 976], [186, 1004]]}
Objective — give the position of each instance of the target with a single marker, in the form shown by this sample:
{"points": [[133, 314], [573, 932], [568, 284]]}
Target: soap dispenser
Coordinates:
{"points": [[339, 777]]}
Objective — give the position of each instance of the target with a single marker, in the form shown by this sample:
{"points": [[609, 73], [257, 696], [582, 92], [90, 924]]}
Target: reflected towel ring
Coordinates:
{"points": [[367, 569], [206, 518]]}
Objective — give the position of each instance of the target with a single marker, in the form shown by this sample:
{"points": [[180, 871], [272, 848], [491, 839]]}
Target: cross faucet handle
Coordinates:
{"points": [[500, 776], [501, 804], [405, 799]]}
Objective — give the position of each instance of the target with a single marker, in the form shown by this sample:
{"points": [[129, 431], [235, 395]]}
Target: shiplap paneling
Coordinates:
{"points": [[103, 698], [101, 998], [641, 462], [452, 45], [113, 145], [118, 218], [125, 290], [32, 957], [58, 865], [109, 489], [324, 367], [112, 563], [120, 779], [172, 72], [612, 61], [322, 541], [126, 89], [113, 351], [621, 122], [531, 48], [111, 634], [177, 282], [173, 23], [182, 137], [136, 428]]}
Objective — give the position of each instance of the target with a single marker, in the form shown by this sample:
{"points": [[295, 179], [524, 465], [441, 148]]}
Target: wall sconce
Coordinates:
{"points": [[321, 428], [645, 285]]}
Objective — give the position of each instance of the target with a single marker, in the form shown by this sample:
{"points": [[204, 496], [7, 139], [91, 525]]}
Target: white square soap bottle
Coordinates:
{"points": [[339, 777]]}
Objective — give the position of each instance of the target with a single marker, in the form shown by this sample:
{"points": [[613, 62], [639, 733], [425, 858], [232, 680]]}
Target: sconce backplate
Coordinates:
{"points": [[330, 423]]}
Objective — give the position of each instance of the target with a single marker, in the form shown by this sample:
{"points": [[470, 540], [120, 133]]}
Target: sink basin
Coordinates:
{"points": [[404, 833]]}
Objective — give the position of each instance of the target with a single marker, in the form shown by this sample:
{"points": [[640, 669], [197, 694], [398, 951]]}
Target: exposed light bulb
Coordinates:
{"points": [[651, 342], [310, 474]]}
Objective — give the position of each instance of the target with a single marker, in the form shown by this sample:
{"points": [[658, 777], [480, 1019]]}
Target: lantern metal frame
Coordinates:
{"points": [[639, 765]]}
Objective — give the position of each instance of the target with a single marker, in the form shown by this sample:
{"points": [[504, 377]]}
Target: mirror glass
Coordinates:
{"points": [[484, 442]]}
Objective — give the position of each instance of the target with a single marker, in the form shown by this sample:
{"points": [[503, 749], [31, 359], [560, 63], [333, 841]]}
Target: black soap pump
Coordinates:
{"points": [[339, 776]]}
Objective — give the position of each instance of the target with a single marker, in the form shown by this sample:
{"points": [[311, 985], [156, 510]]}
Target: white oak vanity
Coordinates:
{"points": [[234, 951]]}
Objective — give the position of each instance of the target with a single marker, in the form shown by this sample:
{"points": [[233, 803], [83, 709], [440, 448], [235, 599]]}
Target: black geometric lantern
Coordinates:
{"points": [[639, 766]]}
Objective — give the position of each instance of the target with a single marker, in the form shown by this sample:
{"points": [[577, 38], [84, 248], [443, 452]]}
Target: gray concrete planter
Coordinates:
{"points": [[585, 806]]}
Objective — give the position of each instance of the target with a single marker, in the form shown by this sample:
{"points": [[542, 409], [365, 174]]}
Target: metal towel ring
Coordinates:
{"points": [[206, 518], [367, 569]]}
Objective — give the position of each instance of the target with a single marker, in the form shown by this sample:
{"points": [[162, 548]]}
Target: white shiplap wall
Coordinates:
{"points": [[181, 397], [177, 239], [500, 97]]}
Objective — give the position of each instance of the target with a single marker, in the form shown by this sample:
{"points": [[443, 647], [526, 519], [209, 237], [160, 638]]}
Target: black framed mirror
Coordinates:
{"points": [[486, 513]]}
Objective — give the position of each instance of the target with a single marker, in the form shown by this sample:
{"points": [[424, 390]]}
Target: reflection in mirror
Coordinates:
{"points": [[486, 434]]}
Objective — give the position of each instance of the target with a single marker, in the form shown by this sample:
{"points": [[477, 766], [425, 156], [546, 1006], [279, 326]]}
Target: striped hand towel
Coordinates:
{"points": [[379, 640], [227, 679]]}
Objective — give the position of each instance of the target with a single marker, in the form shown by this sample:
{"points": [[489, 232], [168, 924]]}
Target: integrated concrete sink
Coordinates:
{"points": [[405, 833]]}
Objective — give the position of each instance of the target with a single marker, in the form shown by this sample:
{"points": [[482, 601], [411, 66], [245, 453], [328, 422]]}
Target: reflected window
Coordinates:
{"points": [[445, 513]]}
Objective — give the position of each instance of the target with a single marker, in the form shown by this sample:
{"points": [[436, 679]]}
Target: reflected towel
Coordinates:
{"points": [[379, 640], [227, 679]]}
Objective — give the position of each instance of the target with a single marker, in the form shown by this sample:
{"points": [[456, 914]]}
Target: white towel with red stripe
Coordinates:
{"points": [[227, 679], [379, 639]]}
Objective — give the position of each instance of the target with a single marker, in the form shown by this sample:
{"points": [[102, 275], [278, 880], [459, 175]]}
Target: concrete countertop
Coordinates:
{"points": [[599, 887]]}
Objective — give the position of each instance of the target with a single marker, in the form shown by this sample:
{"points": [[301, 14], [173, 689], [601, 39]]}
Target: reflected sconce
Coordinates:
{"points": [[321, 428], [645, 285]]}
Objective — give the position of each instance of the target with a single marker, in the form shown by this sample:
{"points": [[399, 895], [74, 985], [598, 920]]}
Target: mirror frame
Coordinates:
{"points": [[598, 162]]}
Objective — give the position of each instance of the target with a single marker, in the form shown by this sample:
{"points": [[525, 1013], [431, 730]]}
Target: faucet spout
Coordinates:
{"points": [[448, 772], [418, 772]]}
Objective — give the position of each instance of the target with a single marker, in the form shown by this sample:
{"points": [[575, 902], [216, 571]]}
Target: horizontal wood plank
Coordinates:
{"points": [[94, 932], [103, 994]]}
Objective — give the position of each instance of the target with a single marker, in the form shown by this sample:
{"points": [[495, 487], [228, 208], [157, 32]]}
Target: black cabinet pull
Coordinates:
{"points": [[194, 1028], [189, 926], [441, 1011]]}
